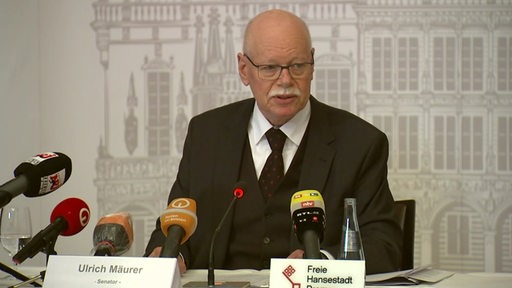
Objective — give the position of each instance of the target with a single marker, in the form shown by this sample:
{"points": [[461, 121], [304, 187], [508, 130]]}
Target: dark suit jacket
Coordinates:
{"points": [[345, 157]]}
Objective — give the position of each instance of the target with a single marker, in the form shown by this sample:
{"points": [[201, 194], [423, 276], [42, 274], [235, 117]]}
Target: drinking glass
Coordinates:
{"points": [[15, 228]]}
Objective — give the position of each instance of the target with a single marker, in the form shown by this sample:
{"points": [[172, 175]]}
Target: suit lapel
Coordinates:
{"points": [[229, 150], [319, 154]]}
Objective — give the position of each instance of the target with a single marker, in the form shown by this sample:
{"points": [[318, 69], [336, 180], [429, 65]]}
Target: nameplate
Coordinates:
{"points": [[103, 271], [316, 273]]}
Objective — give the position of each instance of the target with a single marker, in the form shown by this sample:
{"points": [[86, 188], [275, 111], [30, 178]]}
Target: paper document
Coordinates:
{"points": [[408, 277]]}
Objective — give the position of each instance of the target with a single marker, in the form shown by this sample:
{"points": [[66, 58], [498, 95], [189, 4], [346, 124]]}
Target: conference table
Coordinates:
{"points": [[261, 278], [458, 280]]}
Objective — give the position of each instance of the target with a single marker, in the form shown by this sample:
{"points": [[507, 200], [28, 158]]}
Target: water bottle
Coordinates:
{"points": [[351, 245]]}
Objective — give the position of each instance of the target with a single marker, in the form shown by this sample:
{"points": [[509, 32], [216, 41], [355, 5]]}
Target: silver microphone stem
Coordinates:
{"points": [[29, 281]]}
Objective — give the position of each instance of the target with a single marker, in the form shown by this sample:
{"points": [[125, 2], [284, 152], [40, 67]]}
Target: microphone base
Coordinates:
{"points": [[219, 284]]}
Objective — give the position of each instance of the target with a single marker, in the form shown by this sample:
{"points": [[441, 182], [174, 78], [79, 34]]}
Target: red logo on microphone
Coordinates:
{"points": [[55, 181], [47, 155], [307, 204]]}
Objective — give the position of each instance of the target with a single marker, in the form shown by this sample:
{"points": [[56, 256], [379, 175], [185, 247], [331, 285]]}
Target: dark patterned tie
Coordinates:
{"points": [[273, 171]]}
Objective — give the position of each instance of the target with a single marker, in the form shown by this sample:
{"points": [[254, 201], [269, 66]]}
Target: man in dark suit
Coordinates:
{"points": [[326, 149]]}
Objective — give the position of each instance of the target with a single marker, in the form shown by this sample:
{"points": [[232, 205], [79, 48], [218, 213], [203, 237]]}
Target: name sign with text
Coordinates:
{"points": [[103, 271], [316, 273]]}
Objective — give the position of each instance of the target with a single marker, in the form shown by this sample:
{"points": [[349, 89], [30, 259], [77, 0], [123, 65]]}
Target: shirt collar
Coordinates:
{"points": [[294, 128]]}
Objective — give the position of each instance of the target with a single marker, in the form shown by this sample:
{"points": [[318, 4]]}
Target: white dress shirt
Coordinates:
{"points": [[293, 129]]}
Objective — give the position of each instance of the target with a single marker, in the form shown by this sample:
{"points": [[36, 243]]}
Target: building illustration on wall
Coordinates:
{"points": [[434, 75]]}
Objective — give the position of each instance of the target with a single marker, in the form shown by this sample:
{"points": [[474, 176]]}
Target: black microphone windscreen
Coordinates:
{"points": [[45, 172]]}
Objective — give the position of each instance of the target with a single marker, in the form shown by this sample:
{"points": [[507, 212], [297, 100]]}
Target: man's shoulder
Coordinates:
{"points": [[341, 120], [235, 109]]}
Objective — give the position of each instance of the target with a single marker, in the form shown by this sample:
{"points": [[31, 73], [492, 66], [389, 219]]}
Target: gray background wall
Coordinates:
{"points": [[113, 84]]}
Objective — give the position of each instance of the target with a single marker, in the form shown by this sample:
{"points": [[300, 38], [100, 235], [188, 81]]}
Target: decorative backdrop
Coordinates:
{"points": [[113, 84]]}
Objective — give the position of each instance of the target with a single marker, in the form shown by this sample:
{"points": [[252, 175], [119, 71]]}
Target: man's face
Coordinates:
{"points": [[281, 98]]}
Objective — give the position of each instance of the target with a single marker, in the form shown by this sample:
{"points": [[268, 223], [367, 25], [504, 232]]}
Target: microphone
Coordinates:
{"points": [[308, 217], [178, 223], [113, 234], [40, 175], [69, 217], [238, 192]]}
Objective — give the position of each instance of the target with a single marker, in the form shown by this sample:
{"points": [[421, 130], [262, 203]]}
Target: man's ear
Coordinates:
{"points": [[242, 69]]}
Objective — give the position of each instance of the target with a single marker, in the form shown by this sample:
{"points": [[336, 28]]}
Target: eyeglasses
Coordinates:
{"points": [[273, 71]]}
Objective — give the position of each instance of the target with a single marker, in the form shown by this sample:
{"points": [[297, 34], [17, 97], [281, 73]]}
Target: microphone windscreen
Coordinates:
{"points": [[308, 213], [306, 199], [76, 213], [46, 172], [115, 229], [239, 189], [181, 212]]}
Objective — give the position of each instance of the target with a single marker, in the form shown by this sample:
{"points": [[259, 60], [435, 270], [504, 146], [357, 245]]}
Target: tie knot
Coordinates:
{"points": [[276, 139]]}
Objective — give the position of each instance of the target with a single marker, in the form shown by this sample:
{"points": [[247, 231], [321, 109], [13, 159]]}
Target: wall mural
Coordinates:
{"points": [[436, 78]]}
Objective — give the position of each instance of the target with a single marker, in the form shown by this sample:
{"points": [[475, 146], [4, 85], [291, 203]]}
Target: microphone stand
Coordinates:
{"points": [[31, 280], [17, 274], [211, 275], [238, 192], [48, 250], [29, 251]]}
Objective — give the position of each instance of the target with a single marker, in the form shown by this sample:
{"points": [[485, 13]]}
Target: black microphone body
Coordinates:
{"points": [[40, 175], [113, 235], [13, 188], [308, 217], [175, 234], [311, 243], [178, 222], [309, 229], [45, 238], [105, 249]]}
